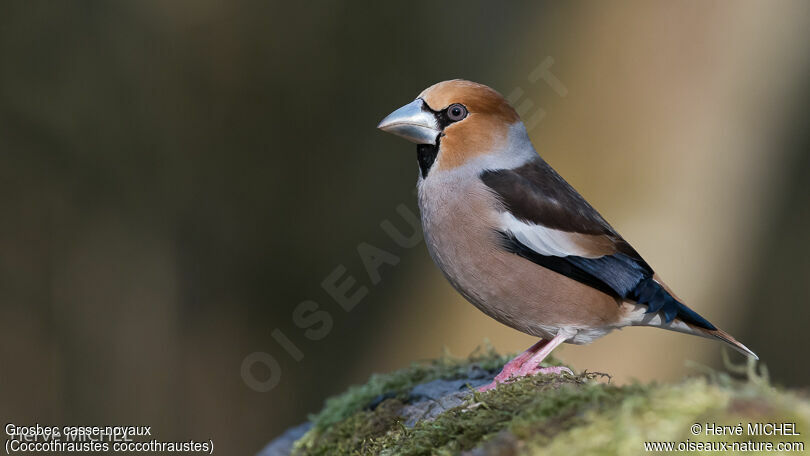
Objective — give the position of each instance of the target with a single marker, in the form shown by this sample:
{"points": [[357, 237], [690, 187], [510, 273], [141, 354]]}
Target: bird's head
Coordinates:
{"points": [[454, 122]]}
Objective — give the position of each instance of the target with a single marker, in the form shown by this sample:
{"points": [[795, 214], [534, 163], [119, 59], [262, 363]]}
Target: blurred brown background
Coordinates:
{"points": [[176, 177]]}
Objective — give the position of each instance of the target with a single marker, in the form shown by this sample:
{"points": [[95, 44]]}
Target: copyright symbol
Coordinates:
{"points": [[696, 429]]}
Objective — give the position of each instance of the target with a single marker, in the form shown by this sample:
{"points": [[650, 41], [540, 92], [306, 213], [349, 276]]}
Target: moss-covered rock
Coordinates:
{"points": [[432, 408]]}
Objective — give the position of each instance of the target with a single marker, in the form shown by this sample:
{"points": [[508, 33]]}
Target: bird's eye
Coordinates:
{"points": [[456, 112]]}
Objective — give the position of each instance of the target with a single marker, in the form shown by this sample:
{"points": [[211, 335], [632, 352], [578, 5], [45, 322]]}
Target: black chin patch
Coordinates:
{"points": [[426, 155]]}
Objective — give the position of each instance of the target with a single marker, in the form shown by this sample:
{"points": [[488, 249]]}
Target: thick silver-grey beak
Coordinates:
{"points": [[412, 123]]}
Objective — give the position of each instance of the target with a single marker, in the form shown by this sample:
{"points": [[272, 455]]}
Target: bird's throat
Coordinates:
{"points": [[426, 155]]}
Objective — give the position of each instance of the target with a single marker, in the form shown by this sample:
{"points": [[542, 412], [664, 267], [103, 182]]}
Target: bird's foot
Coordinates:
{"points": [[509, 370], [522, 371]]}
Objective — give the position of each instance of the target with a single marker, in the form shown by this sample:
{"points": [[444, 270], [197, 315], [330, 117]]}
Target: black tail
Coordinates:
{"points": [[650, 293]]}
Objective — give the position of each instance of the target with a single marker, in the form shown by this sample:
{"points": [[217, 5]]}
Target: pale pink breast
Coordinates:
{"points": [[459, 217]]}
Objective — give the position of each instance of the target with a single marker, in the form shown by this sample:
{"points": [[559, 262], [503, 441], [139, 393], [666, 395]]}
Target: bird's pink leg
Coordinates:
{"points": [[512, 367], [532, 365], [527, 362]]}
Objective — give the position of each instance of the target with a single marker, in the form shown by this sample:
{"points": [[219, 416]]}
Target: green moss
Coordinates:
{"points": [[356, 434], [535, 406], [399, 383], [546, 415], [666, 413]]}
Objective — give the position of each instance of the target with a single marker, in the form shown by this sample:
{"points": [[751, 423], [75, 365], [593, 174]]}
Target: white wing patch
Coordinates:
{"points": [[545, 241]]}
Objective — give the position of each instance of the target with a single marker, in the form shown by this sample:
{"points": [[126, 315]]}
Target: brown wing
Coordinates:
{"points": [[535, 193]]}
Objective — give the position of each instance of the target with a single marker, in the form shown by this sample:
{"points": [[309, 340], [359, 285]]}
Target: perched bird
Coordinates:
{"points": [[516, 240]]}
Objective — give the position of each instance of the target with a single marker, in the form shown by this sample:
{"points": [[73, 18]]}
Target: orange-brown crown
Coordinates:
{"points": [[478, 98]]}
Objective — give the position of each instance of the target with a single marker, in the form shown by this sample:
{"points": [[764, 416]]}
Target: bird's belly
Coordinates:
{"points": [[463, 242]]}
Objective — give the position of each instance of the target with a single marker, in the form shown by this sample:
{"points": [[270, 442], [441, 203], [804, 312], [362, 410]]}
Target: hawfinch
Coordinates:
{"points": [[516, 240]]}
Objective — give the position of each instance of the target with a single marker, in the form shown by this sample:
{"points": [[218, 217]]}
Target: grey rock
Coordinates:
{"points": [[429, 400], [282, 445]]}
